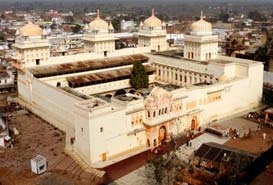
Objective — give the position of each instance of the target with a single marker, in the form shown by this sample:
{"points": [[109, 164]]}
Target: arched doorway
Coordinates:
{"points": [[194, 123], [148, 143], [108, 95], [120, 92], [162, 135], [155, 143], [132, 91]]}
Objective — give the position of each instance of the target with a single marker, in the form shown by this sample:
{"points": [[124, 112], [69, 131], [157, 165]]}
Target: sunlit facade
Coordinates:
{"points": [[103, 125]]}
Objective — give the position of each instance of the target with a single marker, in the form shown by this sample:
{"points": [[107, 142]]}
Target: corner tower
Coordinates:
{"points": [[200, 44], [152, 33], [99, 37], [31, 46]]}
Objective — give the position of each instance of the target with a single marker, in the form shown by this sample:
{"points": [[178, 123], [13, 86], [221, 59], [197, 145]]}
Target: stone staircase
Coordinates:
{"points": [[76, 170], [83, 164]]}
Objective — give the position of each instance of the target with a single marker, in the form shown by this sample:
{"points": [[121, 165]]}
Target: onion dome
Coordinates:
{"points": [[30, 29], [98, 23], [201, 27], [152, 21]]}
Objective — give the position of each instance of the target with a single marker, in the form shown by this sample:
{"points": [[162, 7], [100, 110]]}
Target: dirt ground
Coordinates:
{"points": [[255, 143], [38, 137]]}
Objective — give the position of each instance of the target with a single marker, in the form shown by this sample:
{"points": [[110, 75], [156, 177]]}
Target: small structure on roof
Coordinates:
{"points": [[38, 164]]}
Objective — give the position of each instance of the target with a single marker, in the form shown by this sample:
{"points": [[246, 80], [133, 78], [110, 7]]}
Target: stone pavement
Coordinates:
{"points": [[240, 124], [234, 121], [137, 177]]}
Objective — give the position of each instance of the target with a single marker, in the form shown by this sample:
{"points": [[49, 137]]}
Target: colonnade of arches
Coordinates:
{"points": [[181, 77]]}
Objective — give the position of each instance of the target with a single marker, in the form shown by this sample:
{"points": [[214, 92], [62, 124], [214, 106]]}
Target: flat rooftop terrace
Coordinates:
{"points": [[127, 97], [75, 93], [179, 55], [82, 66]]}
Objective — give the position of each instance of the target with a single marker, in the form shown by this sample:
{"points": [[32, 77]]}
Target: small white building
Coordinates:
{"points": [[38, 164], [127, 25]]}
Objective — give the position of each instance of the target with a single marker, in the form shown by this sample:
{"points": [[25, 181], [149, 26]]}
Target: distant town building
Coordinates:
{"points": [[127, 25]]}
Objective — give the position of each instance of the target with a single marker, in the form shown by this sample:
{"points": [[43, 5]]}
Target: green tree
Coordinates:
{"points": [[139, 78], [164, 170], [2, 36], [76, 28], [256, 16], [116, 24], [261, 55], [223, 17], [69, 19]]}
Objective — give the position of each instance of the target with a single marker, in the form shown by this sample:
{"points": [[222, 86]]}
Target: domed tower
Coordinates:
{"points": [[152, 33], [99, 36], [200, 44], [31, 46]]}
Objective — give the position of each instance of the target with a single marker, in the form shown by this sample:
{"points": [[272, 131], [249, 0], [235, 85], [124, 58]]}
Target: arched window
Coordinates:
{"points": [[148, 143], [155, 143]]}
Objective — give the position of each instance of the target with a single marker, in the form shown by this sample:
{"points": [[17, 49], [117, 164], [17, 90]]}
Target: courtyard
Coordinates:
{"points": [[38, 137]]}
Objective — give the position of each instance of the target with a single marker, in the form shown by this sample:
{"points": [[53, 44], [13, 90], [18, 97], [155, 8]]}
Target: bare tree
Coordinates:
{"points": [[164, 170]]}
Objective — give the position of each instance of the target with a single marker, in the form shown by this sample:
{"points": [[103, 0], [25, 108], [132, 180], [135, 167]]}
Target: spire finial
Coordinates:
{"points": [[201, 16], [98, 13], [153, 11]]}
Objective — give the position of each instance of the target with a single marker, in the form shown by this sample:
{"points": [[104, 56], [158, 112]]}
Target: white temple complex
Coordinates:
{"points": [[82, 95]]}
